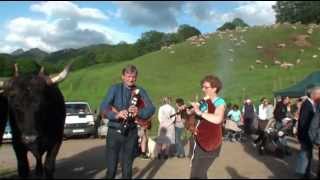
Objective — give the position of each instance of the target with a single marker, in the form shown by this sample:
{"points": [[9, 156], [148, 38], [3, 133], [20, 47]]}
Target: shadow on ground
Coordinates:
{"points": [[280, 167]]}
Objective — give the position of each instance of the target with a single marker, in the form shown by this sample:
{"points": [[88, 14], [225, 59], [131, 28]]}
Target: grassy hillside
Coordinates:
{"points": [[178, 73]]}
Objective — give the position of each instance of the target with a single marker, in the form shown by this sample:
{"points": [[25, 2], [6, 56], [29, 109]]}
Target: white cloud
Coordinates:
{"points": [[66, 25], [58, 34], [65, 9], [26, 33], [60, 31], [155, 14], [256, 12], [116, 14], [67, 34], [111, 34], [201, 11], [7, 48], [252, 12], [22, 25]]}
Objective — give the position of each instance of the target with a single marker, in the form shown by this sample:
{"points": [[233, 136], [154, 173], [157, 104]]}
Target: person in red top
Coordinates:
{"points": [[208, 133]]}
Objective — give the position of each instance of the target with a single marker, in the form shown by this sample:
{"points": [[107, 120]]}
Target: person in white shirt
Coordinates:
{"points": [[166, 136], [263, 114], [270, 118]]}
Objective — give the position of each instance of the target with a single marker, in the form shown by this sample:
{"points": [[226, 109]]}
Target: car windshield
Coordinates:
{"points": [[77, 109], [8, 128]]}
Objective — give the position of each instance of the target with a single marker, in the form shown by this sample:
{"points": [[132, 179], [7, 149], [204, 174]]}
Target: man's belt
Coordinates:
{"points": [[120, 128]]}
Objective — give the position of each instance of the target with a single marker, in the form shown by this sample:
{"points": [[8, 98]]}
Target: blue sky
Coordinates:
{"points": [[52, 26]]}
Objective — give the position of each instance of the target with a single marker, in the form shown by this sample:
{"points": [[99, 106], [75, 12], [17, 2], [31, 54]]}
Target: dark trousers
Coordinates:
{"points": [[123, 148], [318, 173], [179, 144], [201, 162], [248, 126], [262, 124], [304, 160]]}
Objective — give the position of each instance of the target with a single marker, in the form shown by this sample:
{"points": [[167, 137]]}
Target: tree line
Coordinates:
{"points": [[102, 53]]}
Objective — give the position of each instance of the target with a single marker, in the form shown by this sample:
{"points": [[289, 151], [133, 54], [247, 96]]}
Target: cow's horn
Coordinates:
{"points": [[16, 70], [3, 84], [62, 75], [41, 72]]}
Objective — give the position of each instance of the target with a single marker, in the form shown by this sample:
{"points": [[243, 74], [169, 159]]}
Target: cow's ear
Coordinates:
{"points": [[44, 76], [46, 79]]}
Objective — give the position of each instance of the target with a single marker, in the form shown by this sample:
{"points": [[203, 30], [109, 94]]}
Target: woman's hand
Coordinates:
{"points": [[196, 108], [189, 111]]}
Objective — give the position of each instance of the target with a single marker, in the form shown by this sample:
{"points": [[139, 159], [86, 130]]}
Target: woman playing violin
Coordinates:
{"points": [[208, 118]]}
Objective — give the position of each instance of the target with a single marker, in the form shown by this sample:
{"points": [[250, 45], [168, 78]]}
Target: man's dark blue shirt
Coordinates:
{"points": [[119, 96]]}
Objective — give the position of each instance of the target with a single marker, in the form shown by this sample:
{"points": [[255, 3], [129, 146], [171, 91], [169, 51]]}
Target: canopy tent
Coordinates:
{"points": [[299, 89]]}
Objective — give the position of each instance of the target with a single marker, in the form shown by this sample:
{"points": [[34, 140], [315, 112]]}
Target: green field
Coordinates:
{"points": [[178, 74]]}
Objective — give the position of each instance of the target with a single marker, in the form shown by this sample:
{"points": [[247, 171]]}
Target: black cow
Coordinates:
{"points": [[3, 115], [37, 116]]}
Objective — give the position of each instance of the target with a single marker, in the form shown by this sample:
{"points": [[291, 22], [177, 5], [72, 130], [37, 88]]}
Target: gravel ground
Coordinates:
{"points": [[85, 158]]}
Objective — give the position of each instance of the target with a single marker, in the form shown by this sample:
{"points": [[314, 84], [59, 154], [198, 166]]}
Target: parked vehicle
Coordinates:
{"points": [[80, 120], [7, 136]]}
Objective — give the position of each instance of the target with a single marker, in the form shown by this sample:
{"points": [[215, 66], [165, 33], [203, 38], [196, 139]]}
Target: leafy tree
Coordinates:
{"points": [[185, 31], [297, 11], [28, 66], [149, 41], [170, 38], [237, 22], [6, 67]]}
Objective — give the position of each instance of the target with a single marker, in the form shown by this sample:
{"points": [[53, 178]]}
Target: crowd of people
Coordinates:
{"points": [[239, 124], [273, 125], [208, 122]]}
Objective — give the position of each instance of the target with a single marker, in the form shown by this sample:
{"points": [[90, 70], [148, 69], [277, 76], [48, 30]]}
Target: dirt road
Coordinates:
{"points": [[85, 158]]}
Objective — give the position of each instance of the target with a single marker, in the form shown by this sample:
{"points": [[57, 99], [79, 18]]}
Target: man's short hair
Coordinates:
{"points": [[313, 89], [263, 99], [130, 69], [166, 100], [180, 101], [235, 106], [309, 89]]}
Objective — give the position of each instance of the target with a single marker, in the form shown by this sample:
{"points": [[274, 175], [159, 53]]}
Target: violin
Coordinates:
{"points": [[190, 123]]}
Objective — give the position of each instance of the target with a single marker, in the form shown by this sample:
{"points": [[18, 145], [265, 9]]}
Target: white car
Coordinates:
{"points": [[79, 120], [7, 136]]}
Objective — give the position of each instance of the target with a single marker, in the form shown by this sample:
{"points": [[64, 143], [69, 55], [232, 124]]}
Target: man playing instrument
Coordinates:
{"points": [[209, 114], [123, 109]]}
